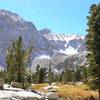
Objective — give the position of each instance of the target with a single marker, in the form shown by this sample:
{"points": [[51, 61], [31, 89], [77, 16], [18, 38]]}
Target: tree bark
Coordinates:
{"points": [[99, 93]]}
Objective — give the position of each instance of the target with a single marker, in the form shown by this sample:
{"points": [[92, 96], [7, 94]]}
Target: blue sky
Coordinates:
{"points": [[61, 16]]}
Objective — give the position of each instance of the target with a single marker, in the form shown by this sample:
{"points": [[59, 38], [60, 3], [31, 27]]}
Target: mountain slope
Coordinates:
{"points": [[45, 42]]}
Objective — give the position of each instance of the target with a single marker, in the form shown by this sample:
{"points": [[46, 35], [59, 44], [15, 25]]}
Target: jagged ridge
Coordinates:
{"points": [[45, 42]]}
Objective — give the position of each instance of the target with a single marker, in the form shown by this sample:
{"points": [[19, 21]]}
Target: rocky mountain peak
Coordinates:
{"points": [[45, 31], [46, 43], [12, 16]]}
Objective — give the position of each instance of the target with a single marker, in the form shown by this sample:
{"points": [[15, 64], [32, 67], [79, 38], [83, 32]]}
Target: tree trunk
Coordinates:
{"points": [[99, 93]]}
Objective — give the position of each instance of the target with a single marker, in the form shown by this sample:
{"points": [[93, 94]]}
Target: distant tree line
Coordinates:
{"points": [[17, 60]]}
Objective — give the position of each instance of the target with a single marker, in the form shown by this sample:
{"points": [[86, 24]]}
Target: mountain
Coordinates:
{"points": [[48, 46], [11, 27]]}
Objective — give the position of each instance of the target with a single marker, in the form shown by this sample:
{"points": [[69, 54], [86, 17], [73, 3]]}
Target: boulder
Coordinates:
{"points": [[1, 84], [21, 95], [52, 96], [17, 85], [50, 87]]}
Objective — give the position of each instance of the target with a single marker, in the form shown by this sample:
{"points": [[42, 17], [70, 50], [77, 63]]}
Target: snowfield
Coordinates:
{"points": [[69, 51]]}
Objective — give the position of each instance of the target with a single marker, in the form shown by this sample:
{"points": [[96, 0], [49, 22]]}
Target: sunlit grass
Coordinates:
{"points": [[39, 87], [72, 91], [75, 91]]}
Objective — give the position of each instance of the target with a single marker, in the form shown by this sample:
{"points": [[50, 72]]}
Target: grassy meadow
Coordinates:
{"points": [[73, 92]]}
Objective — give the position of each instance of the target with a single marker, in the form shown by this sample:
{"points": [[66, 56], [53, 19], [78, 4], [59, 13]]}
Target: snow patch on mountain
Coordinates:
{"points": [[69, 51], [44, 57], [62, 37]]}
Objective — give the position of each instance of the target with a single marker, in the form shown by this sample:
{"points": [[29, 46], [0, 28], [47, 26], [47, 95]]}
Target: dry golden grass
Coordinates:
{"points": [[39, 87], [72, 91], [75, 91]]}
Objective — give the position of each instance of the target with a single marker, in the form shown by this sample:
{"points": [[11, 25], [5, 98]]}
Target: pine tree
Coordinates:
{"points": [[50, 75], [66, 75], [11, 71], [93, 44], [1, 74], [42, 75], [84, 75], [77, 74], [17, 59], [37, 74]]}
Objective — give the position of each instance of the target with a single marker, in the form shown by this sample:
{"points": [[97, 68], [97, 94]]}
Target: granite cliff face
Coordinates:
{"points": [[48, 46]]}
